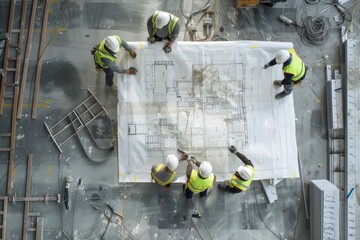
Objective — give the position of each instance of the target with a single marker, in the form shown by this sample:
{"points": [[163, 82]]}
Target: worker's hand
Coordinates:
{"points": [[266, 66], [233, 149], [132, 53], [151, 40], [131, 71], [167, 49], [191, 160]]}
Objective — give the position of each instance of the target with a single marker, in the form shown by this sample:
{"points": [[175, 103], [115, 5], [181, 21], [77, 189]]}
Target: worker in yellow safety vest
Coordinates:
{"points": [[162, 25], [105, 58], [198, 181], [164, 174], [241, 180], [293, 68]]}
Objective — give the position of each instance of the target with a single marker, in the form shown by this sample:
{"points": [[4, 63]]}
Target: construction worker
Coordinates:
{"points": [[294, 70], [242, 178], [162, 25], [105, 58], [164, 174], [198, 181]]}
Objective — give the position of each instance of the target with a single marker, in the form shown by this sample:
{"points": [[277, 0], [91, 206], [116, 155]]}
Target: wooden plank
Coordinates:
{"points": [[26, 59], [39, 228], [26, 219], [27, 194], [6, 54], [5, 199], [12, 140], [20, 44], [39, 63]]}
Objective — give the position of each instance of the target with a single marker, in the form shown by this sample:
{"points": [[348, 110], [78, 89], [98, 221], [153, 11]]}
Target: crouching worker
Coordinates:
{"points": [[198, 181], [164, 174], [242, 178]]}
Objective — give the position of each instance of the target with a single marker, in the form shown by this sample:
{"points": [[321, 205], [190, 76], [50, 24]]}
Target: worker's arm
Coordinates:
{"points": [[150, 27], [270, 64], [190, 167], [125, 45], [242, 157], [174, 35], [112, 66]]}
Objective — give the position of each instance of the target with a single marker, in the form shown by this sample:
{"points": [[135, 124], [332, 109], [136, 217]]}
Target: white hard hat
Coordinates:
{"points": [[244, 172], [162, 19], [112, 43], [205, 169], [282, 56], [172, 162]]}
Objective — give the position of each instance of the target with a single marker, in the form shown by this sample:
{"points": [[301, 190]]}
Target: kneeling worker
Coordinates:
{"points": [[164, 174], [162, 25], [242, 178], [198, 181]]}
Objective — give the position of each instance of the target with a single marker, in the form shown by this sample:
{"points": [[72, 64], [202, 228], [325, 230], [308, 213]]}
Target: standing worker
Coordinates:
{"points": [[162, 25], [105, 58], [164, 174], [242, 178], [294, 70], [198, 181]]}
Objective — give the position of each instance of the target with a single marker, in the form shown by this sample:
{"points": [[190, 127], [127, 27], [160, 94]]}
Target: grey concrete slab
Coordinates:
{"points": [[148, 211]]}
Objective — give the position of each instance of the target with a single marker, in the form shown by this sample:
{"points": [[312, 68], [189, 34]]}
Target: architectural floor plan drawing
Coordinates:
{"points": [[204, 97]]}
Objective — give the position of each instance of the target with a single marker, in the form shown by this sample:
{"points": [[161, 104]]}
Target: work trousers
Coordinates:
{"points": [[109, 78], [289, 87]]}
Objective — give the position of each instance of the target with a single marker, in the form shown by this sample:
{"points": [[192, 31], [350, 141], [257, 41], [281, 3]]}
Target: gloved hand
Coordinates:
{"points": [[233, 149], [131, 71], [167, 49], [151, 39], [132, 53], [266, 66]]}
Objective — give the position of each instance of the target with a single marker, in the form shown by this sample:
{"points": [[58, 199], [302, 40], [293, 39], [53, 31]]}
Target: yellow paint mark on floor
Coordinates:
{"points": [[141, 46], [49, 170], [134, 179], [44, 104], [14, 172], [318, 101]]}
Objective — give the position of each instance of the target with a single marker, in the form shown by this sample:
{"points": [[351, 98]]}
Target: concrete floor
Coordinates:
{"points": [[149, 212]]}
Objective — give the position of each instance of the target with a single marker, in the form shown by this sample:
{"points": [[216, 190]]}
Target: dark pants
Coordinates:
{"points": [[189, 194], [289, 87], [109, 76], [232, 189]]}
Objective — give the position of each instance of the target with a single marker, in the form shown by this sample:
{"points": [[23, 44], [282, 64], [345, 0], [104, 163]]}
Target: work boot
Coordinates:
{"points": [[277, 83], [281, 95], [223, 185], [114, 87]]}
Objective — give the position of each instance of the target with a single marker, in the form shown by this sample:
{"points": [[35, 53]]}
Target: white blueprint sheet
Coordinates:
{"points": [[203, 97]]}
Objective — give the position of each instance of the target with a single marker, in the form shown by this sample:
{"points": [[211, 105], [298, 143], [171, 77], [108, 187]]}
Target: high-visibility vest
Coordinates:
{"points": [[171, 24], [241, 184], [198, 184], [161, 176], [102, 53], [296, 67]]}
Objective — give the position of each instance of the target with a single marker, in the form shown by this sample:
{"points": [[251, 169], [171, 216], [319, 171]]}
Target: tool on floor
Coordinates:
{"points": [[68, 180], [286, 20]]}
